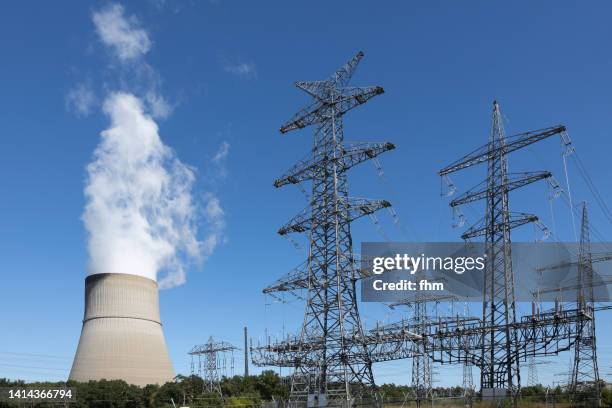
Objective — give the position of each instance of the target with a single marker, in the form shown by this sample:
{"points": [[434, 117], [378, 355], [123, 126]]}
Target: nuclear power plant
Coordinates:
{"points": [[122, 335]]}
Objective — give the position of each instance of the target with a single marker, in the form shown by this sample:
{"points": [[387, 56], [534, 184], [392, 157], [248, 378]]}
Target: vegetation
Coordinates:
{"points": [[185, 391], [251, 391]]}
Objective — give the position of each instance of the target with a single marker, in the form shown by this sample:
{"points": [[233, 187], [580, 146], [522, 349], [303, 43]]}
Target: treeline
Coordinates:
{"points": [[245, 392], [191, 391], [537, 395]]}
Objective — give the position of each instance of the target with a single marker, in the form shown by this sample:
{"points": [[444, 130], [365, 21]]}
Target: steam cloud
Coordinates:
{"points": [[139, 215]]}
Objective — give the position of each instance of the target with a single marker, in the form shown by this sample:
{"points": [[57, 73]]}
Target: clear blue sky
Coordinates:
{"points": [[227, 68]]}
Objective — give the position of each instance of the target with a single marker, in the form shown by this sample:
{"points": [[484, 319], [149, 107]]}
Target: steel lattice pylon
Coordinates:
{"points": [[499, 368], [468, 385], [421, 364], [532, 373], [212, 363], [585, 388], [344, 368], [468, 375]]}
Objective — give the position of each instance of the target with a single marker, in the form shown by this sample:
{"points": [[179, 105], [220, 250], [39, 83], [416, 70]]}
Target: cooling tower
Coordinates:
{"points": [[122, 334]]}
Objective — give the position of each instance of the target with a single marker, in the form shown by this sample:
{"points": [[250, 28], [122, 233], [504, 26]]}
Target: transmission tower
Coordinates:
{"points": [[532, 373], [585, 388], [332, 355], [421, 366], [344, 368], [468, 377], [212, 363], [500, 372], [468, 385]]}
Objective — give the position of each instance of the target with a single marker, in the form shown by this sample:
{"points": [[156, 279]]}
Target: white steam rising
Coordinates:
{"points": [[140, 213]]}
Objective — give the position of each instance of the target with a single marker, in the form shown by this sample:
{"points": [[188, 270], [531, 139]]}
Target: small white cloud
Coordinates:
{"points": [[158, 4], [80, 100], [221, 153], [218, 161], [242, 69], [121, 33]]}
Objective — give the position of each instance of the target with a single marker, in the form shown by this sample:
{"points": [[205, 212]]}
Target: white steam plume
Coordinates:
{"points": [[140, 213]]}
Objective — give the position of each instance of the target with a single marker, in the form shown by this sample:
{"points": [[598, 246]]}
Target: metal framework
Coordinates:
{"points": [[585, 387], [421, 365], [532, 373], [332, 356], [468, 375], [468, 385], [500, 372], [422, 373], [343, 370], [211, 363]]}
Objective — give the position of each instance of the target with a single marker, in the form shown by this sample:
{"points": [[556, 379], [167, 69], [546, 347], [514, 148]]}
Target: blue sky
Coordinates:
{"points": [[225, 71]]}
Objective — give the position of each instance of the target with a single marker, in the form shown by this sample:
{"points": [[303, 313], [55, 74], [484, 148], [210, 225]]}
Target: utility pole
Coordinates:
{"points": [[246, 354]]}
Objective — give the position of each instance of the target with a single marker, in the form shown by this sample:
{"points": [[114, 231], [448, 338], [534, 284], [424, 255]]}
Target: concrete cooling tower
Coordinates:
{"points": [[122, 334]]}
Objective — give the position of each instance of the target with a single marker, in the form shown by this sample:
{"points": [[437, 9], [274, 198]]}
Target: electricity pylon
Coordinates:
{"points": [[212, 363], [468, 376], [332, 328], [468, 385], [421, 365], [499, 370], [532, 373], [585, 387]]}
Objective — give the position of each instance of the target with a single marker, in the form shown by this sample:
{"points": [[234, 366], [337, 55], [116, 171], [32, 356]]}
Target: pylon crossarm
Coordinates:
{"points": [[596, 257], [515, 180], [317, 89], [310, 115], [411, 301], [351, 209], [335, 106], [516, 220], [604, 281], [348, 155], [297, 278], [483, 153]]}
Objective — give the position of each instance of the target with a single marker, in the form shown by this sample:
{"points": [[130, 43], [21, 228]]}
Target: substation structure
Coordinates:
{"points": [[333, 354]]}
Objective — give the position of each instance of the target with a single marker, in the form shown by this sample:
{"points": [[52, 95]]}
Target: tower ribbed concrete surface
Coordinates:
{"points": [[122, 334]]}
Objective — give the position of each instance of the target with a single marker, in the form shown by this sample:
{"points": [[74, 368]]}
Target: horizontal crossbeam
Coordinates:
{"points": [[483, 153], [334, 106], [516, 220], [515, 180], [350, 210], [347, 156]]}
